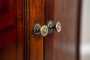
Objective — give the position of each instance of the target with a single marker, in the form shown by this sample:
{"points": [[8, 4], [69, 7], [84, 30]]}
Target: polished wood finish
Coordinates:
{"points": [[48, 40], [11, 34], [20, 31], [17, 18], [36, 16], [63, 45]]}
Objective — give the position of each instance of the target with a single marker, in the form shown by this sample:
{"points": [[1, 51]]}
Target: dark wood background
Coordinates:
{"points": [[11, 34]]}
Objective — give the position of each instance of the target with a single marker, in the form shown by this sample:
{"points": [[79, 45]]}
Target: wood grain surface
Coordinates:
{"points": [[36, 16], [11, 35], [63, 45]]}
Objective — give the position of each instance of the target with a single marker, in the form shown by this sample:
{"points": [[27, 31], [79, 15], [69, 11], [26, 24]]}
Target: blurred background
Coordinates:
{"points": [[85, 31]]}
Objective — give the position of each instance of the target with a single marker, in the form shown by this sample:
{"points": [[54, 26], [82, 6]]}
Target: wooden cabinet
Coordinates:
{"points": [[17, 19]]}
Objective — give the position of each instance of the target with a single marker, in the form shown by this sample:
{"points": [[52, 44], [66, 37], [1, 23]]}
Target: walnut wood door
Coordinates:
{"points": [[63, 45], [17, 18], [55, 46]]}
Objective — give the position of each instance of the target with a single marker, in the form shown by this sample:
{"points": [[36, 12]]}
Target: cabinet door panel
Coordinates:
{"points": [[63, 45]]}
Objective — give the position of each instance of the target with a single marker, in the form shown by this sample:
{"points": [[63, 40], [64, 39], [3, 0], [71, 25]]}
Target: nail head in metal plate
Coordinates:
{"points": [[44, 30], [58, 26], [36, 29]]}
